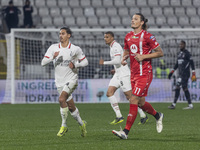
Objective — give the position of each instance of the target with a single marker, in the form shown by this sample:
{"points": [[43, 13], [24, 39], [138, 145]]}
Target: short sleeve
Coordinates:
{"points": [[126, 44], [152, 42]]}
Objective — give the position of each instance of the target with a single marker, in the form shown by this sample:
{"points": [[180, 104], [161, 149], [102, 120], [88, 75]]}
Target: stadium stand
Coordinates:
{"points": [[62, 3], [153, 3], [196, 3], [66, 11], [107, 3], [123, 12], [51, 3], [89, 11], [55, 12], [39, 3], [157, 10]]}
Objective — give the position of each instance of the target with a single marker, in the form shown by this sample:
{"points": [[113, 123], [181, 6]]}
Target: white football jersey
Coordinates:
{"points": [[116, 50], [71, 53]]}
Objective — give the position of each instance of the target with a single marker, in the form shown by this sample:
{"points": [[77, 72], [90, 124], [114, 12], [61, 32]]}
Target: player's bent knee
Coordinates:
{"points": [[61, 100]]}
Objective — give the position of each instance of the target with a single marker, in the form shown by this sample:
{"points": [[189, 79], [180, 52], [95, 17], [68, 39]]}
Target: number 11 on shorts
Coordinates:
{"points": [[137, 90]]}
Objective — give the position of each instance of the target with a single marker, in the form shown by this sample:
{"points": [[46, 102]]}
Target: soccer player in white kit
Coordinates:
{"points": [[67, 58], [121, 78]]}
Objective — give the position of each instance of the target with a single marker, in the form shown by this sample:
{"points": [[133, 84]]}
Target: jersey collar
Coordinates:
{"points": [[112, 43], [68, 46], [138, 33]]}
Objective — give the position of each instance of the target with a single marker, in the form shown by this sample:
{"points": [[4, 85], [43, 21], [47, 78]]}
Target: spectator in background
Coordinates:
{"points": [[3, 69], [27, 9], [183, 64], [12, 13], [162, 71]]}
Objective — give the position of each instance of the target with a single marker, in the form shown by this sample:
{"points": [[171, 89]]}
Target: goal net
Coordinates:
{"points": [[28, 82]]}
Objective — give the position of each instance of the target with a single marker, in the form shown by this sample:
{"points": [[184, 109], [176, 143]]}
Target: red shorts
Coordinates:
{"points": [[140, 84]]}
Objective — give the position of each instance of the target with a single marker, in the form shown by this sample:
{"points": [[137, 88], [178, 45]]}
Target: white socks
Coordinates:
{"points": [[77, 117], [142, 114], [64, 114], [115, 106]]}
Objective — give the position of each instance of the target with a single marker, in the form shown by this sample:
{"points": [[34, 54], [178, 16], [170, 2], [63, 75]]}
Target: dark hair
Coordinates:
{"points": [[111, 33], [183, 42], [67, 29], [142, 18]]}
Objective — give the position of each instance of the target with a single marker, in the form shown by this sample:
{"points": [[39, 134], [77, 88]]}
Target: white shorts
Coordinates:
{"points": [[124, 82], [69, 87]]}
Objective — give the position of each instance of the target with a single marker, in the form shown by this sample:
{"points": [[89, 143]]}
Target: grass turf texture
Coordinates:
{"points": [[34, 127]]}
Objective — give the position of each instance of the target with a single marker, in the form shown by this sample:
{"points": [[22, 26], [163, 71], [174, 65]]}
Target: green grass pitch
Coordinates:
{"points": [[34, 127]]}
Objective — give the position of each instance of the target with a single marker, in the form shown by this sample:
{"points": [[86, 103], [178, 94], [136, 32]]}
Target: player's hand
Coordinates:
{"points": [[71, 65], [193, 78], [138, 57], [55, 55], [101, 61], [123, 62], [112, 71], [170, 74]]}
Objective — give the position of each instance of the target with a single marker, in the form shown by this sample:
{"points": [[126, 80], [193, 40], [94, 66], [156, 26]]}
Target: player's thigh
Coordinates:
{"points": [[125, 84], [140, 84], [69, 87], [184, 82], [114, 82]]}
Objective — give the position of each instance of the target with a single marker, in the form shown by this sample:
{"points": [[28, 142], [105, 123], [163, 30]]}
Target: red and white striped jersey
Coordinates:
{"points": [[141, 43], [71, 53]]}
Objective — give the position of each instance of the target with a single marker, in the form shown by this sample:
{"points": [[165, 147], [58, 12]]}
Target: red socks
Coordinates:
{"points": [[131, 116], [149, 109]]}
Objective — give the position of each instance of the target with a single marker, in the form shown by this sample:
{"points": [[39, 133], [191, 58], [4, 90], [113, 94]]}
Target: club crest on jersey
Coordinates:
{"points": [[135, 37], [133, 48]]}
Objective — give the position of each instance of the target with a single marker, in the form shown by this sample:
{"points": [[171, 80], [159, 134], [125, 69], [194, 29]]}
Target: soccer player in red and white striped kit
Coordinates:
{"points": [[138, 45]]}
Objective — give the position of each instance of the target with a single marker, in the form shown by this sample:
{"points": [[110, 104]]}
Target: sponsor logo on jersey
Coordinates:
{"points": [[135, 37], [133, 48]]}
